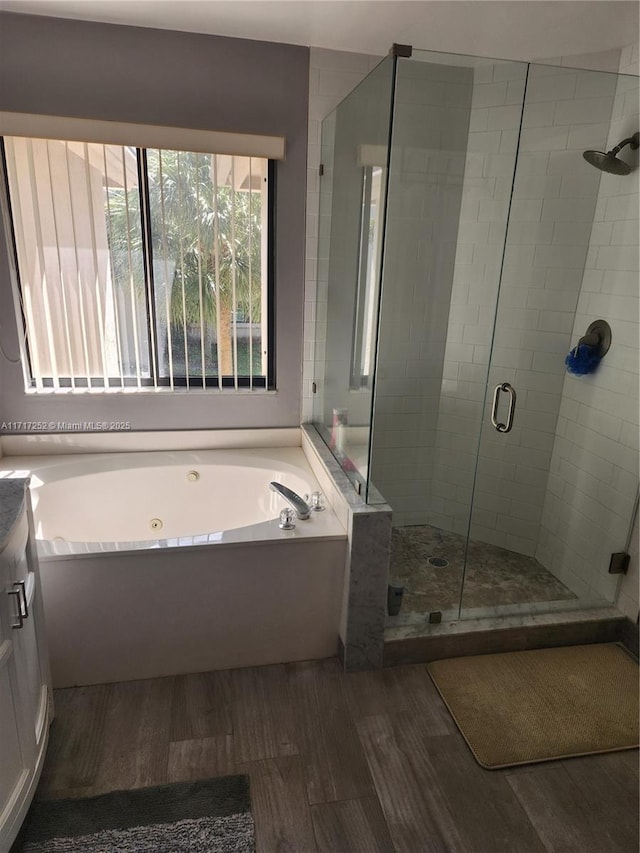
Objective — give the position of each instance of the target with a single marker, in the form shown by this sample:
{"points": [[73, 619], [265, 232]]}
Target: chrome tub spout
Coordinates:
{"points": [[300, 507]]}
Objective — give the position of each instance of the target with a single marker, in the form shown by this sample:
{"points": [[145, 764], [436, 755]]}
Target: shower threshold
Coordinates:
{"points": [[424, 642]]}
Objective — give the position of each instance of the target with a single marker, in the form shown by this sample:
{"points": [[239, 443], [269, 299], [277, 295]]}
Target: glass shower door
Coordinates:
{"points": [[453, 155], [355, 143], [557, 469]]}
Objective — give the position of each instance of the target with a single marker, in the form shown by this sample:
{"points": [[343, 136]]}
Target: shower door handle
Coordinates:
{"points": [[24, 607], [19, 614], [504, 386]]}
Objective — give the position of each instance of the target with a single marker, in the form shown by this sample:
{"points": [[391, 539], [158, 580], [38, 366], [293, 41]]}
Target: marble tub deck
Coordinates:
{"points": [[494, 576]]}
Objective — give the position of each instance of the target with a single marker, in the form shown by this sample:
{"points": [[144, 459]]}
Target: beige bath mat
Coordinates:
{"points": [[521, 707]]}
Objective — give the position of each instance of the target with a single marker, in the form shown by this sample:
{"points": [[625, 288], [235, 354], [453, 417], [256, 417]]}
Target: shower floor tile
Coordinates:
{"points": [[494, 576]]}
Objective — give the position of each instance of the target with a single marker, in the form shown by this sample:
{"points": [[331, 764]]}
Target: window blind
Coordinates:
{"points": [[141, 135]]}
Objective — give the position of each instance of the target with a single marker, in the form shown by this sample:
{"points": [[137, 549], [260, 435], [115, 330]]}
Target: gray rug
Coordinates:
{"points": [[209, 816]]}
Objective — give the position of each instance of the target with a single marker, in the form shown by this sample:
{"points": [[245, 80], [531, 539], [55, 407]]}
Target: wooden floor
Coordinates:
{"points": [[338, 762]]}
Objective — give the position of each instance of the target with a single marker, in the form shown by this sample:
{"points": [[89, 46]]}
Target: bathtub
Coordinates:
{"points": [[159, 563]]}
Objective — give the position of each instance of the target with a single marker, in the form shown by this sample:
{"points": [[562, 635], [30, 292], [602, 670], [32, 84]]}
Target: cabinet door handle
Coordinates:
{"points": [[24, 607], [20, 621]]}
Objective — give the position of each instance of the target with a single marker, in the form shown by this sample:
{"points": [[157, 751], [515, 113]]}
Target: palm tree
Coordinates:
{"points": [[206, 235]]}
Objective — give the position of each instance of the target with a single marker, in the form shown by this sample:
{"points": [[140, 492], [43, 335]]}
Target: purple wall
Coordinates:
{"points": [[103, 71]]}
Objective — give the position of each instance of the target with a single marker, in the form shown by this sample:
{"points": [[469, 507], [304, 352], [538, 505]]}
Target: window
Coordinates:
{"points": [[368, 282], [141, 268]]}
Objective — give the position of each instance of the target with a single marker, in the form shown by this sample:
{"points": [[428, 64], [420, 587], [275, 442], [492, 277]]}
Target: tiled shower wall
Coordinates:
{"points": [[431, 124], [594, 467]]}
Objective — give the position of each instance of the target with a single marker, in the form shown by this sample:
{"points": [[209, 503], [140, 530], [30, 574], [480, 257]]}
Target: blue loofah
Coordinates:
{"points": [[583, 359]]}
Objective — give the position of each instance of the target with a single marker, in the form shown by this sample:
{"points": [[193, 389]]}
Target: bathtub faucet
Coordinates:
{"points": [[300, 506]]}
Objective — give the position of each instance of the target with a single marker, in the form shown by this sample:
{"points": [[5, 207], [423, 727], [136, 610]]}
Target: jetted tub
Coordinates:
{"points": [[160, 563]]}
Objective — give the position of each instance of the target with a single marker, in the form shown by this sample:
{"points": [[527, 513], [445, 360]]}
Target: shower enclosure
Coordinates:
{"points": [[466, 248]]}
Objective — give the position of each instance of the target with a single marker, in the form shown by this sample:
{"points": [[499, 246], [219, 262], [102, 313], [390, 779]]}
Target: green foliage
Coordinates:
{"points": [[187, 216]]}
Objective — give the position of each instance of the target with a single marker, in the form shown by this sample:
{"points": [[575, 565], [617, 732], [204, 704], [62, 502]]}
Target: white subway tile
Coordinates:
{"points": [[509, 71], [591, 136], [551, 88], [478, 119], [483, 519], [569, 162], [592, 257], [580, 186], [625, 233], [525, 210], [488, 535], [534, 381], [556, 321], [596, 84], [568, 209], [489, 94], [474, 334], [469, 209], [539, 114], [511, 358], [504, 118], [585, 460], [535, 440], [509, 140], [535, 420], [601, 233], [545, 341], [484, 141], [619, 282], [491, 210], [518, 318], [528, 233], [583, 111], [499, 165], [481, 354], [623, 207], [591, 282], [519, 255], [518, 527], [571, 257], [603, 423], [536, 186], [544, 138], [458, 352], [534, 162], [618, 307], [548, 363]]}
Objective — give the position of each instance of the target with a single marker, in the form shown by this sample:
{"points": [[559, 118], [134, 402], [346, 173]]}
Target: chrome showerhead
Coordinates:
{"points": [[608, 162]]}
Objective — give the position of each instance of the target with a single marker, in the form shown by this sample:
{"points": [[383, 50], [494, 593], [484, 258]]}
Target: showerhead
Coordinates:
{"points": [[608, 162]]}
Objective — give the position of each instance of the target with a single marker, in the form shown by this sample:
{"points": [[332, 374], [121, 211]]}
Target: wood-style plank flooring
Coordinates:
{"points": [[364, 762]]}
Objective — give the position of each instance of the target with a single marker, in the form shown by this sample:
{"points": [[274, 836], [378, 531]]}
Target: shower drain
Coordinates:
{"points": [[438, 562]]}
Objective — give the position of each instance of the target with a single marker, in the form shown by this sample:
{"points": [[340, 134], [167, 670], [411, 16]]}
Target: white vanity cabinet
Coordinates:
{"points": [[25, 691]]}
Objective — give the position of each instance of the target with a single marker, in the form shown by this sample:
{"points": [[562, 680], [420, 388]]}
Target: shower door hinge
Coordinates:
{"points": [[403, 50], [314, 388], [321, 169], [619, 563]]}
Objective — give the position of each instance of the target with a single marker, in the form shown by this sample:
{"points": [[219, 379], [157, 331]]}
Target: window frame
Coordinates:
{"points": [[154, 382]]}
